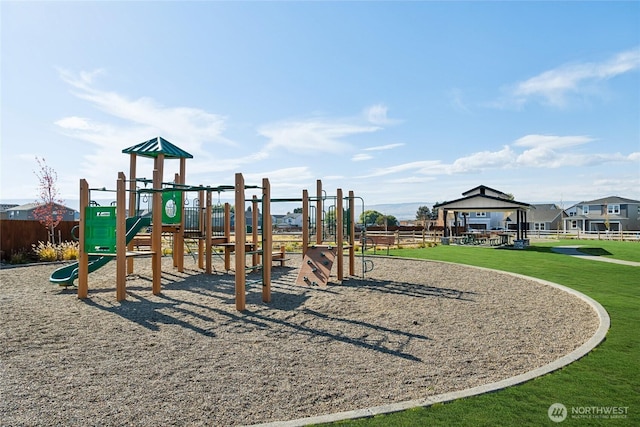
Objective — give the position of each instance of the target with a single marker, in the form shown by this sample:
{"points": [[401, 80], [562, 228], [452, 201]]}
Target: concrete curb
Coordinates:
{"points": [[578, 353]]}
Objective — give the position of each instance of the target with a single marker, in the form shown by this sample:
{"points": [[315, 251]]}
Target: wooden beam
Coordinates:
{"points": [[121, 239], [340, 234], [305, 222], [201, 219], [240, 234], [208, 231], [132, 202], [319, 230], [83, 257], [156, 234], [267, 240], [352, 234]]}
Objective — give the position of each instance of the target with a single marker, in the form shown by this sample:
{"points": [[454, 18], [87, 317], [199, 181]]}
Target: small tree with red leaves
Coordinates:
{"points": [[48, 211]]}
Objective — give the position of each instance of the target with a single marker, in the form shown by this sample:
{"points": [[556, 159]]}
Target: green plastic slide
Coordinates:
{"points": [[64, 276]]}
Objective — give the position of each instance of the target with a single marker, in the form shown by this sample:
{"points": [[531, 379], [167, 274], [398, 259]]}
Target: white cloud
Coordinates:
{"points": [[484, 160], [377, 115], [312, 136], [384, 147], [554, 86], [192, 126], [552, 141], [361, 157], [423, 167], [75, 123]]}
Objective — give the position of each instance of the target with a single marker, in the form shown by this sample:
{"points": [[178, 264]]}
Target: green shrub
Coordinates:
{"points": [[19, 257]]}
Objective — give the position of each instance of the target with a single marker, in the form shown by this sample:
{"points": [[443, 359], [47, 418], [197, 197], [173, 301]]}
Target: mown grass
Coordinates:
{"points": [[607, 376]]}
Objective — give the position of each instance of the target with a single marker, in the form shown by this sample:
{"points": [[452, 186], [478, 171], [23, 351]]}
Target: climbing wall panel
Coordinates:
{"points": [[316, 266]]}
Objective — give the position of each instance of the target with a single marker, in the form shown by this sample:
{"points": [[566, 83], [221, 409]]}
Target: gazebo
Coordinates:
{"points": [[486, 199]]}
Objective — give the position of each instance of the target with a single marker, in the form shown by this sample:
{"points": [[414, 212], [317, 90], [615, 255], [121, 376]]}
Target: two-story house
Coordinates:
{"points": [[611, 213]]}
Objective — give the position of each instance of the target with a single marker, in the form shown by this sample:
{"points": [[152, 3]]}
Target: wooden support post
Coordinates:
{"points": [[179, 240], [340, 234], [255, 257], [121, 239], [132, 203], [319, 230], [352, 234], [305, 222], [208, 232], [227, 236], [201, 219], [83, 257], [267, 240], [156, 233], [240, 232]]}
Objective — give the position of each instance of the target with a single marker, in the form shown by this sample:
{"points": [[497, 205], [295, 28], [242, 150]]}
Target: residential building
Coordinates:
{"points": [[26, 212], [611, 213], [542, 217]]}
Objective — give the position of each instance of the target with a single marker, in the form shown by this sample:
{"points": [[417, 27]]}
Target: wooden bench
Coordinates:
{"points": [[384, 240], [279, 256], [144, 241]]}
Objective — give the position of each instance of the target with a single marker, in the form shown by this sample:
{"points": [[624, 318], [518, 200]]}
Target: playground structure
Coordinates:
{"points": [[109, 232]]}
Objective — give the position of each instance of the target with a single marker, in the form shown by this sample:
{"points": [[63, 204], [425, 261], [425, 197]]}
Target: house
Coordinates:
{"points": [[546, 216], [611, 213], [290, 220], [4, 207], [26, 212]]}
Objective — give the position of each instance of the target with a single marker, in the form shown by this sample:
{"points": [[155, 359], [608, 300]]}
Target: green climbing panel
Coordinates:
{"points": [[172, 207], [100, 229]]}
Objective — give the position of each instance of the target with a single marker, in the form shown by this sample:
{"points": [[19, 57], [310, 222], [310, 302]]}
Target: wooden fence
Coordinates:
{"points": [[18, 236]]}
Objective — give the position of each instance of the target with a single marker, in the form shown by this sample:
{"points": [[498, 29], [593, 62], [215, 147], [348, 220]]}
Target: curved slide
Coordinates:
{"points": [[64, 276]]}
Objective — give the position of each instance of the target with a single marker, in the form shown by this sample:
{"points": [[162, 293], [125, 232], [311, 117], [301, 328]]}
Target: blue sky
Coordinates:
{"points": [[398, 101]]}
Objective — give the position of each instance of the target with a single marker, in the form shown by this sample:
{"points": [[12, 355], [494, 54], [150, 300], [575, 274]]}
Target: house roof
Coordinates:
{"points": [[33, 205], [156, 146], [609, 200], [544, 212], [483, 189]]}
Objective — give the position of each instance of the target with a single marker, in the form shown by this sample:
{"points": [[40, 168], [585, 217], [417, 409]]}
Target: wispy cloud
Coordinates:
{"points": [[377, 114], [384, 147], [194, 127], [312, 136], [360, 157], [554, 86], [530, 151]]}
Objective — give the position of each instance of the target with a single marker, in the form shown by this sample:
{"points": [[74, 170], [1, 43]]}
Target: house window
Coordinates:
{"points": [[572, 213], [585, 210], [613, 209], [537, 226], [574, 224], [481, 214]]}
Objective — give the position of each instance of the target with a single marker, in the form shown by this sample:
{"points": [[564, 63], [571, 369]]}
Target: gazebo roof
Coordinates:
{"points": [[479, 201], [156, 146]]}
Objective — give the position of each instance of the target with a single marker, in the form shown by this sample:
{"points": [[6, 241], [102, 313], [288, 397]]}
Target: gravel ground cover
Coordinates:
{"points": [[411, 329]]}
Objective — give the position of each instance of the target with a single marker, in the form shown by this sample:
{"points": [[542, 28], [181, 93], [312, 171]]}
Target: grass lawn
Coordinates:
{"points": [[609, 376]]}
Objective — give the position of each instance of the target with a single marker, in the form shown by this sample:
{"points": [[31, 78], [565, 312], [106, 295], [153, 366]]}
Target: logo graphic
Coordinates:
{"points": [[170, 208], [557, 412]]}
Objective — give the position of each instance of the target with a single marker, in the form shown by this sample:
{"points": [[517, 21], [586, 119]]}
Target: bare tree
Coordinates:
{"points": [[49, 210]]}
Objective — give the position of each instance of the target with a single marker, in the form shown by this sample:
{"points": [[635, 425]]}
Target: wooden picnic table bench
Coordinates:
{"points": [[379, 240]]}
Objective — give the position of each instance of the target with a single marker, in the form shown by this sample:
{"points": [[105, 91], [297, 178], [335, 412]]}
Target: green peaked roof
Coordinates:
{"points": [[157, 146]]}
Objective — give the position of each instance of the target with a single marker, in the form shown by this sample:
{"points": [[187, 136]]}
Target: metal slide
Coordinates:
{"points": [[64, 276]]}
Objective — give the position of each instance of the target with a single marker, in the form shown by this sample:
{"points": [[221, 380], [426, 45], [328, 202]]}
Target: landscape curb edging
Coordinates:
{"points": [[565, 360]]}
